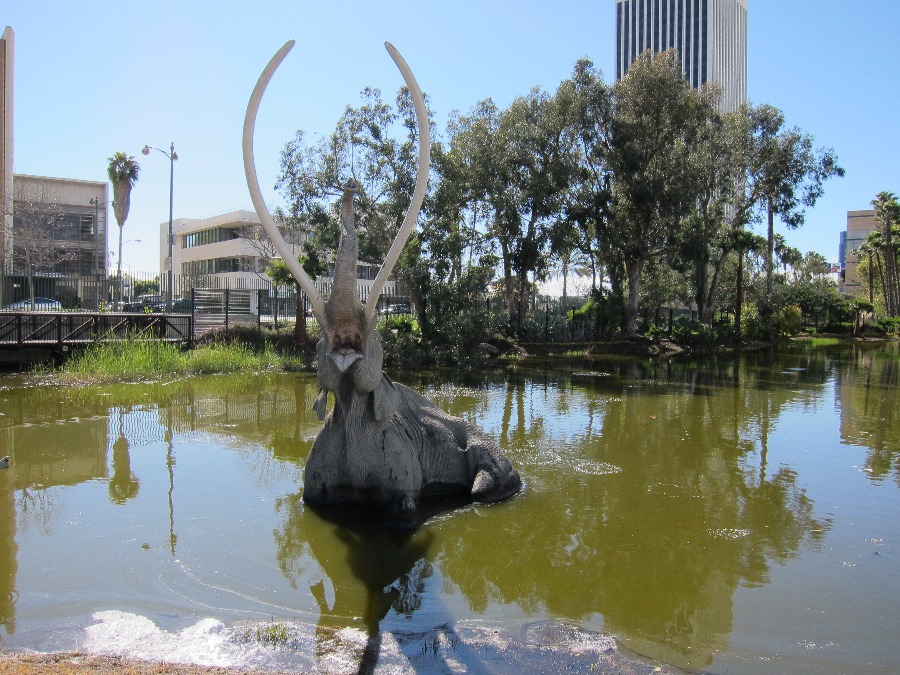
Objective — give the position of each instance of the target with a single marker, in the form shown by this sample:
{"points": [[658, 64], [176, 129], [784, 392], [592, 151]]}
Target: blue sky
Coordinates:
{"points": [[95, 77]]}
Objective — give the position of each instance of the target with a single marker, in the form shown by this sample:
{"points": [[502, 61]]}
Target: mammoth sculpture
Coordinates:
{"points": [[382, 443]]}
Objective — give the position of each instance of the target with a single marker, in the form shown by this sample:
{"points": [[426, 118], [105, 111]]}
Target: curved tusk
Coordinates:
{"points": [[409, 222], [259, 204]]}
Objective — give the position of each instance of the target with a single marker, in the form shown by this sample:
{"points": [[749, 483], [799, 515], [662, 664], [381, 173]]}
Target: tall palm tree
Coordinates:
{"points": [[887, 214], [871, 248], [123, 172]]}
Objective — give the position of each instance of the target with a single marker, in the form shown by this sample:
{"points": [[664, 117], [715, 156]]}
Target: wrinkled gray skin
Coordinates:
{"points": [[383, 443]]}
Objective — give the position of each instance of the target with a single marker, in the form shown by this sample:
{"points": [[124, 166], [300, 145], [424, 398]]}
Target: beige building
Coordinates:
{"points": [[58, 240], [859, 225], [53, 231]]}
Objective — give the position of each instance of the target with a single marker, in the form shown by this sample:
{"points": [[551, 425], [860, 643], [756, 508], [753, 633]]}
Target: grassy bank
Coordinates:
{"points": [[139, 360]]}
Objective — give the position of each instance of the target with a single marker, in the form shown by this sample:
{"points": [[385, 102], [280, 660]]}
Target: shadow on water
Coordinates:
{"points": [[368, 569]]}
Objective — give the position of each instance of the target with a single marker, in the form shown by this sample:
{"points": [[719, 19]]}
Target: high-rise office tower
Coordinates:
{"points": [[710, 36]]}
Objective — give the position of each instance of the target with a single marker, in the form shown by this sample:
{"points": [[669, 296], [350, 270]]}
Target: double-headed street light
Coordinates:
{"points": [[172, 157]]}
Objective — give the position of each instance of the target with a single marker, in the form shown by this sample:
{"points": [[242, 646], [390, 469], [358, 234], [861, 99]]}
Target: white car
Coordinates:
{"points": [[40, 305]]}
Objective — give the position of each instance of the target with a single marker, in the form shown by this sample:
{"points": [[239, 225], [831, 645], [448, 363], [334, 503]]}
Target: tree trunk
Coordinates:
{"points": [[508, 282], [709, 308], [739, 295], [887, 288], [523, 302], [420, 307], [871, 280], [702, 295], [633, 268], [892, 291], [770, 248], [301, 339]]}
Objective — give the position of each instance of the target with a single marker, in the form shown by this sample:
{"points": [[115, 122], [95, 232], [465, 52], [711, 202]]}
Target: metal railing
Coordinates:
{"points": [[38, 329]]}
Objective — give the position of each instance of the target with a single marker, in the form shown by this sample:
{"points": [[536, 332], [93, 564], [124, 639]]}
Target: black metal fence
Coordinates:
{"points": [[42, 329]]}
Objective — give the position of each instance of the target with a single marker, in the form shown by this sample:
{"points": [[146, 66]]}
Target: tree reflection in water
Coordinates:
{"points": [[648, 501], [123, 484], [654, 489]]}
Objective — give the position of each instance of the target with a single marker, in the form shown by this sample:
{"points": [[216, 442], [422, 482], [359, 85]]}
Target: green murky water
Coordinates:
{"points": [[735, 514]]}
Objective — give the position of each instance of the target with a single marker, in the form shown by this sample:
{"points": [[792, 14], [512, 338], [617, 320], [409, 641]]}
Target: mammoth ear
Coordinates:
{"points": [[321, 403], [385, 399]]}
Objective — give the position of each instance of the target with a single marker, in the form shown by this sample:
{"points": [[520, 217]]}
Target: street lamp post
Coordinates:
{"points": [[97, 204], [172, 155], [121, 283]]}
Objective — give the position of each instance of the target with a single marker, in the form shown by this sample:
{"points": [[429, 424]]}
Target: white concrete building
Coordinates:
{"points": [[232, 248], [710, 36], [220, 245]]}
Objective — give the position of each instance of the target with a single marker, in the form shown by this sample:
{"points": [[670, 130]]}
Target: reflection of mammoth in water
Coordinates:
{"points": [[123, 485], [366, 569]]}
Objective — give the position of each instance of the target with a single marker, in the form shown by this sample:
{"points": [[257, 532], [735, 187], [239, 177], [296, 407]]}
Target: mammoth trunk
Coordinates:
{"points": [[345, 312], [343, 291]]}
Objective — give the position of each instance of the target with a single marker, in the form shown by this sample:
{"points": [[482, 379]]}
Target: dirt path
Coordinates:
{"points": [[76, 664]]}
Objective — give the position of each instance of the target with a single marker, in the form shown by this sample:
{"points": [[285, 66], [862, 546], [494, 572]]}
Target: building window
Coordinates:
{"points": [[220, 266]]}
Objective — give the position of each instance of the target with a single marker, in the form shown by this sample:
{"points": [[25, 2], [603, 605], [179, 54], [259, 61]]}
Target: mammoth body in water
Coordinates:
{"points": [[382, 443]]}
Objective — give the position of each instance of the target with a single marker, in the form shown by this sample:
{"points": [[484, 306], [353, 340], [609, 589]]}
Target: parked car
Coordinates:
{"points": [[149, 302], [40, 305], [181, 306], [397, 308]]}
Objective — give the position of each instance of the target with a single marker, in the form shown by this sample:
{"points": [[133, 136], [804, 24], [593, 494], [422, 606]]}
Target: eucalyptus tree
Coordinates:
{"points": [[703, 244], [588, 104], [778, 173], [508, 171], [448, 263], [786, 173], [656, 119], [539, 165], [373, 144]]}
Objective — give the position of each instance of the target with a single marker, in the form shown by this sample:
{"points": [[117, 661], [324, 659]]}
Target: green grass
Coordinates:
{"points": [[819, 341], [142, 360], [268, 634]]}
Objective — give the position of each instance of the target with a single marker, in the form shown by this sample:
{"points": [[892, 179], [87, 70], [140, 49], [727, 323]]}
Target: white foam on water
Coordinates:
{"points": [[207, 643], [548, 646]]}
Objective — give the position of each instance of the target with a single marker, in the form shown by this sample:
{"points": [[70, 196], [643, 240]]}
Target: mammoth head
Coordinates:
{"points": [[348, 326]]}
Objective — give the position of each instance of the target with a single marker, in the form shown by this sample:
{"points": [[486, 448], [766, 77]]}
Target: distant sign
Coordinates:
{"points": [[167, 264]]}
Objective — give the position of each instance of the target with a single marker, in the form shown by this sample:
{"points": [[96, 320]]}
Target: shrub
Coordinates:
{"points": [[890, 326], [690, 332], [788, 320]]}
